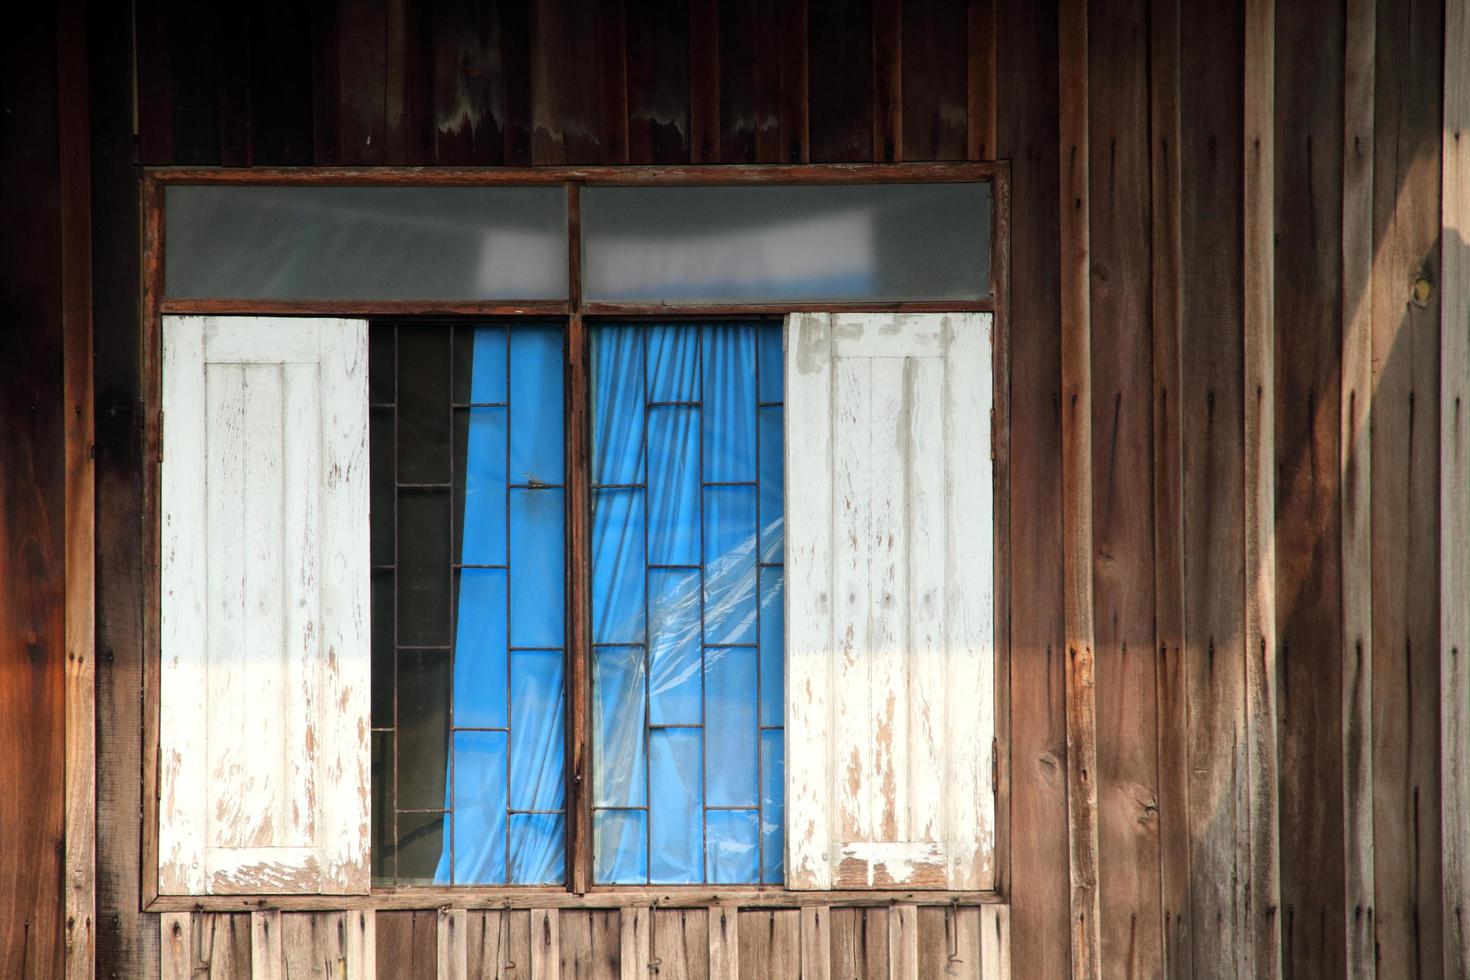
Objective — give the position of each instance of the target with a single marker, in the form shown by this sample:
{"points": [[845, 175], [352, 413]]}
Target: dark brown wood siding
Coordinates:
{"points": [[547, 82]]}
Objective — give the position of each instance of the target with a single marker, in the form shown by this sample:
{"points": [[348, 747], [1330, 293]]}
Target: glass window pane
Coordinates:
{"points": [[617, 727], [729, 564], [729, 404], [732, 846], [479, 808], [536, 454], [423, 404], [620, 846], [773, 483], [730, 726], [675, 806], [617, 566], [499, 705], [393, 243], [772, 644], [673, 486], [617, 405], [773, 807], [674, 680], [673, 362], [787, 244]]}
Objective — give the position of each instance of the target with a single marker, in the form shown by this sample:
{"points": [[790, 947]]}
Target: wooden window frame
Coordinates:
{"points": [[574, 312]]}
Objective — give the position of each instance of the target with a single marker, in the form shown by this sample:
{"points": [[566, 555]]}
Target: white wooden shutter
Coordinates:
{"points": [[263, 738], [890, 659]]}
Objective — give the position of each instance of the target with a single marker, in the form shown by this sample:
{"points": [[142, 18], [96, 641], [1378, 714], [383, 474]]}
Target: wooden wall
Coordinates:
{"points": [[1238, 207]]}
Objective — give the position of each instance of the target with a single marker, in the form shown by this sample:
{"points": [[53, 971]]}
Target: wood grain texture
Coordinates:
{"points": [[1356, 476], [949, 942], [1261, 921], [127, 940], [840, 52], [1310, 589], [591, 943], [724, 943], [499, 943], [408, 944], [79, 510], [1455, 487], [860, 943], [680, 941], [935, 87], [1038, 881], [33, 481], [264, 491], [1165, 310], [635, 957], [221, 946], [1408, 126], [545, 944], [903, 942], [658, 81], [1076, 395], [453, 944], [1212, 357], [895, 518], [176, 952], [770, 944], [267, 946], [1123, 566]]}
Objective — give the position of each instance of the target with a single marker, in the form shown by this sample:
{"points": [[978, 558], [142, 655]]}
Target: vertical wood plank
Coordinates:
{"points": [[515, 49], [127, 938], [1263, 897], [809, 604], [79, 490], [221, 944], [314, 944], [790, 49], [545, 945], [1211, 157], [680, 941], [840, 45], [1076, 364], [658, 82], [407, 85], [935, 84], [267, 956], [995, 942], [980, 93], [1356, 475], [1123, 564], [737, 96], [903, 942], [704, 81], [1168, 488], [499, 944], [361, 943], [770, 943], [949, 942], [281, 126], [1455, 487], [176, 953], [887, 81], [816, 942], [724, 941], [407, 943], [1310, 350], [635, 947], [453, 945], [1408, 906], [362, 54], [469, 83], [155, 110], [1027, 71], [860, 943]]}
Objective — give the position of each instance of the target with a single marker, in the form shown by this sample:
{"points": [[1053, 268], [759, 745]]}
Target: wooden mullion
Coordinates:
{"points": [[579, 569]]}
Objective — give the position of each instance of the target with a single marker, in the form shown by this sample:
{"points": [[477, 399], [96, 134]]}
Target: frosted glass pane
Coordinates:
{"points": [[793, 243], [368, 243]]}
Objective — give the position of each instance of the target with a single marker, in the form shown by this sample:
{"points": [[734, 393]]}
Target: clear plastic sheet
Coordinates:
{"points": [[687, 603]]}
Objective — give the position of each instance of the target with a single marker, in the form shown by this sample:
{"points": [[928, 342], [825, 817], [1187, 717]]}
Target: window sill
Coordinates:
{"points": [[672, 896]]}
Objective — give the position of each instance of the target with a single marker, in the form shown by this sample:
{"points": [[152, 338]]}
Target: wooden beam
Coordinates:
{"points": [[1077, 490], [1356, 487], [1455, 486], [1261, 946], [80, 776]]}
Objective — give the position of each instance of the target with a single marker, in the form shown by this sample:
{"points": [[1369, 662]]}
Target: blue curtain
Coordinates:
{"points": [[505, 793], [686, 602]]}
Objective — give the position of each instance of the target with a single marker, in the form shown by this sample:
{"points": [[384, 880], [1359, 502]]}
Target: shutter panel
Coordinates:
{"points": [[890, 602], [263, 736]]}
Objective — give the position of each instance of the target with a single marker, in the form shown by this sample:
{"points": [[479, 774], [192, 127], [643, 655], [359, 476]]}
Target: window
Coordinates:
{"points": [[580, 593]]}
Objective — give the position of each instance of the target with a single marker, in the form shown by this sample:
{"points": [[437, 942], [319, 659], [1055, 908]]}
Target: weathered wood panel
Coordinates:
{"points": [[499, 944], [32, 485], [408, 944], [891, 553], [1455, 487], [1408, 123], [1122, 473], [1211, 416], [1356, 487], [1307, 405], [1038, 886], [770, 944], [860, 944]]}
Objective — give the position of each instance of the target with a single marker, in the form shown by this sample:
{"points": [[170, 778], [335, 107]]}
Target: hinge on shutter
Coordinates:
{"points": [[994, 766], [992, 435], [160, 435]]}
